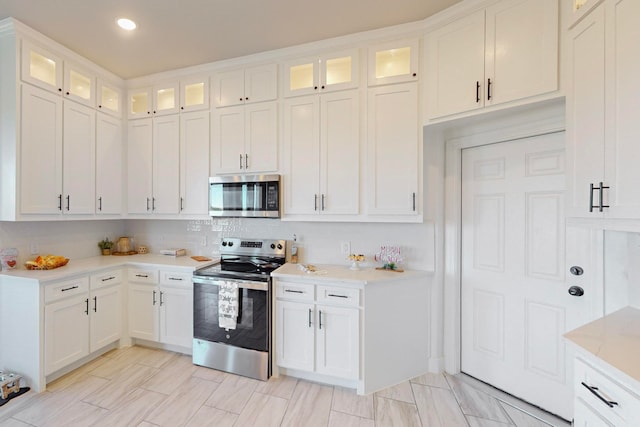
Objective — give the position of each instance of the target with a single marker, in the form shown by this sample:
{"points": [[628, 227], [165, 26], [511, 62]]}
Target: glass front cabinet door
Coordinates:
{"points": [[79, 85], [194, 94], [393, 62], [41, 68], [326, 73], [109, 98]]}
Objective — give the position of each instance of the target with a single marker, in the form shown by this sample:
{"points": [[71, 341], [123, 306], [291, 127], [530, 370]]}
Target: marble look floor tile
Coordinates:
{"points": [[400, 392], [208, 416], [233, 394], [130, 356], [127, 380], [437, 407], [393, 413], [431, 379], [12, 422], [310, 405], [209, 374], [79, 414], [48, 404], [347, 401], [520, 418], [281, 386], [483, 422], [262, 410], [73, 376], [476, 403], [183, 403], [132, 408], [340, 419], [166, 380]]}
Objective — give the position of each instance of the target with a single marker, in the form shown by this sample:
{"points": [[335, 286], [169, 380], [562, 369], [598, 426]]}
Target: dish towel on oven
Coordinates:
{"points": [[228, 305]]}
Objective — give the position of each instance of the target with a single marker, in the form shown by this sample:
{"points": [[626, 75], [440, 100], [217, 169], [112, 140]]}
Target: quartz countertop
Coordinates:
{"points": [[95, 264], [342, 274], [614, 338]]}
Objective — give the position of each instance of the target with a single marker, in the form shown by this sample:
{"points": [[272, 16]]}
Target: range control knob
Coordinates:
{"points": [[273, 246], [279, 246]]}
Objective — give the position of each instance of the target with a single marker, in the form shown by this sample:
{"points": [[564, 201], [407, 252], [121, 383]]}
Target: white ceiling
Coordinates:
{"points": [[178, 33]]}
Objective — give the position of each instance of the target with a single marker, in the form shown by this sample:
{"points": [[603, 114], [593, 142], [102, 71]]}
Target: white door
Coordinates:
{"points": [[139, 179], [337, 341], [143, 311], [105, 308], [295, 332], [228, 140], [261, 137], [176, 316], [515, 305], [108, 165], [166, 165], [194, 152], [66, 334]]}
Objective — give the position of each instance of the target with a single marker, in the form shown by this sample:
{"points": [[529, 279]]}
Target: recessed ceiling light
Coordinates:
{"points": [[126, 24]]}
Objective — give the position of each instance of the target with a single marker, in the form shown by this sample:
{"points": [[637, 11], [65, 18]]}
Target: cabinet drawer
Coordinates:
{"points": [[294, 291], [176, 279], [338, 296], [591, 383], [143, 276], [59, 290], [108, 278]]}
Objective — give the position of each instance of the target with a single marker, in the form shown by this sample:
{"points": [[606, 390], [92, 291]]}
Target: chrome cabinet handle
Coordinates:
{"points": [[154, 297], [240, 161], [594, 390]]}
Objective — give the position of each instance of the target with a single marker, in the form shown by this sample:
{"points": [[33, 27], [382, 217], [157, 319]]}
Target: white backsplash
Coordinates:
{"points": [[317, 242], [621, 270]]}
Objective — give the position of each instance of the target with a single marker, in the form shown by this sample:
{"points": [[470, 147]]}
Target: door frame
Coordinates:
{"points": [[522, 124]]}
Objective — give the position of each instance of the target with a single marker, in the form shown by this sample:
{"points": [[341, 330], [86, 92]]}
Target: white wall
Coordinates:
{"points": [[621, 270]]}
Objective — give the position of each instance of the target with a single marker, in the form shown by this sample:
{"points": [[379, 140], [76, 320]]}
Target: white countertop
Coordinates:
{"points": [[94, 264], [615, 339], [342, 274]]}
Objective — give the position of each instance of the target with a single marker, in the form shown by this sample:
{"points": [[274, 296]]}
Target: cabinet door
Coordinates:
{"points": [[339, 71], [140, 165], [40, 152], [340, 153], [79, 85], [108, 165], [521, 49], [261, 137], [165, 99], [301, 77], [228, 140], [66, 334], [228, 88], [139, 103], [393, 150], [41, 67], [176, 316], [105, 309], [302, 155], [194, 163], [144, 307], [194, 94], [622, 174], [337, 341], [109, 98], [455, 67], [78, 159], [586, 416], [166, 165], [261, 83], [585, 113], [295, 335], [393, 62]]}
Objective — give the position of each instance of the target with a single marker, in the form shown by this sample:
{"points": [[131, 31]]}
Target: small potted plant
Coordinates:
{"points": [[106, 246]]}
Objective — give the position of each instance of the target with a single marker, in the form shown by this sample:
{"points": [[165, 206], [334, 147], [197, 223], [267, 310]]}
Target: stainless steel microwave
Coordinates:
{"points": [[255, 196]]}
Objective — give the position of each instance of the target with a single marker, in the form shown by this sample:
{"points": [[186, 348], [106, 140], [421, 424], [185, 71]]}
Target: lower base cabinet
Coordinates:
{"points": [[161, 307]]}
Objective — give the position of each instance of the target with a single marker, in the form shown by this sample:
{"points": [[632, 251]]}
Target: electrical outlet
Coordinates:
{"points": [[345, 247], [34, 249]]}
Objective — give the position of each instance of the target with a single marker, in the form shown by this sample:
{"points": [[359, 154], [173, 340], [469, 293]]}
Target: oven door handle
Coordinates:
{"points": [[242, 284]]}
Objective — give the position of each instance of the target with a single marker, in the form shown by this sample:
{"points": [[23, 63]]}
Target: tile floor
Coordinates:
{"points": [[137, 386]]}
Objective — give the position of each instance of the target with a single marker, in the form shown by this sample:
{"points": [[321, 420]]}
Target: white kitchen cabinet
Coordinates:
{"points": [[154, 165], [105, 309], [603, 173], [245, 86], [326, 73], [154, 101], [194, 163], [245, 139], [109, 170], [161, 307], [504, 53], [194, 94], [394, 62], [395, 162], [585, 416], [317, 337], [581, 8], [322, 154], [79, 85], [109, 98]]}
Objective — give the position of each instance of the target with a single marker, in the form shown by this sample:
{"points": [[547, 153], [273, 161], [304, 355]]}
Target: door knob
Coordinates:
{"points": [[576, 291]]}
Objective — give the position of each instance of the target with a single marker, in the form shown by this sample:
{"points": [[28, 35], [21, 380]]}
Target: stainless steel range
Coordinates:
{"points": [[232, 307]]}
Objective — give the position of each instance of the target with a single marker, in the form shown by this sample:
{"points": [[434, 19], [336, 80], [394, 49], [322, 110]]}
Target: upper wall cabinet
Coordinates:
{"points": [[156, 101], [46, 70], [505, 53], [255, 84], [109, 98], [336, 71], [581, 8], [393, 62], [194, 94]]}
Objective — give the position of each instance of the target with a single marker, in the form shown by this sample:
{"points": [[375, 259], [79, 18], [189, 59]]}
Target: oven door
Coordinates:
{"points": [[252, 324]]}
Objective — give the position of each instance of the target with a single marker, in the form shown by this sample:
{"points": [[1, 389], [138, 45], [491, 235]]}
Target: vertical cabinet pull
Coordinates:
{"points": [[68, 201], [240, 161], [413, 199], [309, 317], [86, 311], [95, 304], [153, 203], [246, 160], [181, 203], [322, 202], [154, 297], [161, 299], [99, 203], [147, 203], [320, 319], [477, 91], [59, 202], [600, 188], [315, 202], [489, 89]]}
